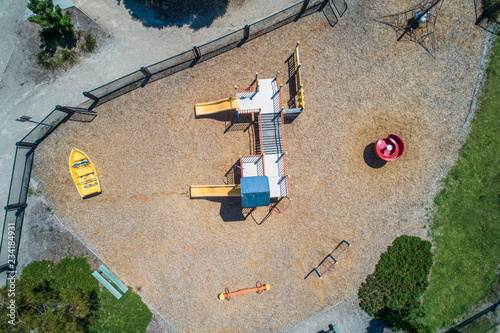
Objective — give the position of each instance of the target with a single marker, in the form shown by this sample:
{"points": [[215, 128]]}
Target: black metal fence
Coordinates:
{"points": [[470, 320], [487, 17], [214, 48], [25, 149], [20, 179]]}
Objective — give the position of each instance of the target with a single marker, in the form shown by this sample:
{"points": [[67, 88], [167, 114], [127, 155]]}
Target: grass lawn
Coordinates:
{"points": [[466, 222], [127, 314], [65, 297]]}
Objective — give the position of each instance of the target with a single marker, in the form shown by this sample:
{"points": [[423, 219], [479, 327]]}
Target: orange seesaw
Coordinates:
{"points": [[259, 289]]}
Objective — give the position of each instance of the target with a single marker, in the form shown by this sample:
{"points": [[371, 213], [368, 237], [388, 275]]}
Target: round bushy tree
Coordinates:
{"points": [[393, 292], [52, 297], [55, 25]]}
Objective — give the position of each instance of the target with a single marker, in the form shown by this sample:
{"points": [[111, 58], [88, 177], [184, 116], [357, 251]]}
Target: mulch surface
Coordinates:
{"points": [[180, 253]]}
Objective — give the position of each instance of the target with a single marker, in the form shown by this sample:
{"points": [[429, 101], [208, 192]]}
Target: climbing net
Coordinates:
{"points": [[416, 24]]}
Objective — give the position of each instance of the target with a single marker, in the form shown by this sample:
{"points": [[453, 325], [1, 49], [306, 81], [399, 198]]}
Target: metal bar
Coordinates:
{"points": [[196, 52], [146, 71], [246, 31], [471, 319], [260, 132], [21, 205], [26, 144], [334, 262], [487, 13], [304, 6], [91, 96]]}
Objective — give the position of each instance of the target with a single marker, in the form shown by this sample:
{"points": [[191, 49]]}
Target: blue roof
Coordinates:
{"points": [[255, 191]]}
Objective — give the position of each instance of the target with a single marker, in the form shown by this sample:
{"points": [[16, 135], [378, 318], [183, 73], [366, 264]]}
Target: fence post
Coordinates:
{"points": [[91, 96], [26, 144], [246, 32], [304, 6], [196, 52], [20, 205], [147, 75], [145, 71], [66, 109]]}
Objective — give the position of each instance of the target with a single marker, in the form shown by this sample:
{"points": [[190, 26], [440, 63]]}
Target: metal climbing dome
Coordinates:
{"points": [[416, 24]]}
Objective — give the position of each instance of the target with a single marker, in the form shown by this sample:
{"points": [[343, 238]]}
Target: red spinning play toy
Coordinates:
{"points": [[390, 148]]}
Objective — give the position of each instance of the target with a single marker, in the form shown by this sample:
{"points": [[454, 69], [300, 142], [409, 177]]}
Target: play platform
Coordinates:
{"points": [[272, 162], [264, 175]]}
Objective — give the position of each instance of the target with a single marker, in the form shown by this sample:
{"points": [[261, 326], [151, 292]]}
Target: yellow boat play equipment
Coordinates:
{"points": [[84, 174]]}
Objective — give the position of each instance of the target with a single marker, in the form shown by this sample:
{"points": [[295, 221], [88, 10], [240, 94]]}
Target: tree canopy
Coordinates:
{"points": [[392, 293], [66, 298], [51, 297], [55, 25]]}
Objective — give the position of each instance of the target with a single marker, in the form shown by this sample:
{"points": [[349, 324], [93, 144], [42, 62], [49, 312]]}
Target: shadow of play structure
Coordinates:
{"points": [[264, 176]]}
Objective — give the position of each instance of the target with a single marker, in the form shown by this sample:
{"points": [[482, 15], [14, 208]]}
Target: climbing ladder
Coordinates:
{"points": [[271, 133]]}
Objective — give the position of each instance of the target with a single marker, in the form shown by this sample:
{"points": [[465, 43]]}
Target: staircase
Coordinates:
{"points": [[271, 133]]}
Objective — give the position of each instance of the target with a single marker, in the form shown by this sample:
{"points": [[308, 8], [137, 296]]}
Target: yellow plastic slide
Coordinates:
{"points": [[226, 104], [202, 191]]}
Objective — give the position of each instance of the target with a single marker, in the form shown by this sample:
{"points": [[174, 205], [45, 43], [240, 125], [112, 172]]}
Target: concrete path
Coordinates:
{"points": [[345, 315]]}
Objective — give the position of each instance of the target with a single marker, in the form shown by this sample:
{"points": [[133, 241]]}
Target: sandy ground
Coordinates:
{"points": [[180, 253]]}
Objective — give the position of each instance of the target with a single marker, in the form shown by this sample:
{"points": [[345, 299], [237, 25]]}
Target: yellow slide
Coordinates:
{"points": [[226, 104], [202, 191]]}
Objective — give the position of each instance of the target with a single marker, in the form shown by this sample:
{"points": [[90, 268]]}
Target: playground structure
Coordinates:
{"points": [[325, 265], [265, 175], [221, 105], [84, 174], [324, 211], [298, 78], [215, 191], [390, 149], [259, 289], [416, 24]]}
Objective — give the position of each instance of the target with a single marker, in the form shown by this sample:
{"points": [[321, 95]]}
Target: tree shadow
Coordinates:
{"points": [[371, 158], [376, 326], [175, 13], [52, 38]]}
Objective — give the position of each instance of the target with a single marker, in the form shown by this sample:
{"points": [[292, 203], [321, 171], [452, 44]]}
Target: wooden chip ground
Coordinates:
{"points": [[180, 253]]}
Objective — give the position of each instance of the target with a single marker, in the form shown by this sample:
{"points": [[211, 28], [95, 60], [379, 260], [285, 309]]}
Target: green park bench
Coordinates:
{"points": [[332, 329], [99, 275]]}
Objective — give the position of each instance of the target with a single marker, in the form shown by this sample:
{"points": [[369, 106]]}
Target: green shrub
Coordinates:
{"points": [[56, 26], [51, 297], [89, 43], [393, 292], [69, 56], [47, 61]]}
